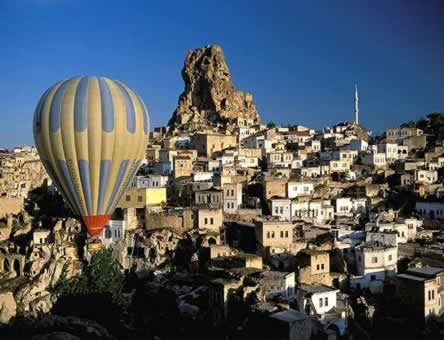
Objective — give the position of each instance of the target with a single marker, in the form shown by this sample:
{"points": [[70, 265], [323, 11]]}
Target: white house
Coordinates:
{"points": [[316, 299], [358, 145], [203, 176], [150, 181], [433, 209], [412, 226], [426, 176], [312, 171], [375, 159], [295, 189], [114, 231], [247, 162], [382, 237], [390, 150], [374, 264], [348, 205], [232, 193], [281, 208]]}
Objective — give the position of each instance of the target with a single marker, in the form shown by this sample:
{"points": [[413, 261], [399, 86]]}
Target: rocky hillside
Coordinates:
{"points": [[210, 97]]}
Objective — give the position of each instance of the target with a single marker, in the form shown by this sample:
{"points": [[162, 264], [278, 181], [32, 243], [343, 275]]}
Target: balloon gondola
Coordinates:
{"points": [[91, 134]]}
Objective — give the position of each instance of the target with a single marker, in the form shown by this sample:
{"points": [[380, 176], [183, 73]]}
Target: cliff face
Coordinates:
{"points": [[210, 98]]}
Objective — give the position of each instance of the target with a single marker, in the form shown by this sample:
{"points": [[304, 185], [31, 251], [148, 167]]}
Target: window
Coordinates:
{"points": [[268, 234], [321, 302], [372, 277], [374, 260], [430, 295], [286, 235], [326, 301], [390, 256], [282, 234], [433, 295], [139, 198], [128, 198], [272, 234], [206, 220], [317, 267], [322, 266], [211, 220]]}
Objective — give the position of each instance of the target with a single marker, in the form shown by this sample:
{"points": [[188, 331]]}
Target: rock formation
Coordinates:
{"points": [[210, 98], [7, 307]]}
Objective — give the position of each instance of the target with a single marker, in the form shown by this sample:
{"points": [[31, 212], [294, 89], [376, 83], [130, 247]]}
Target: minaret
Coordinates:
{"points": [[356, 105]]}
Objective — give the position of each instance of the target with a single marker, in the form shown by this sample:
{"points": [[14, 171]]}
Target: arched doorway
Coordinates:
{"points": [[211, 241], [6, 266], [16, 266]]}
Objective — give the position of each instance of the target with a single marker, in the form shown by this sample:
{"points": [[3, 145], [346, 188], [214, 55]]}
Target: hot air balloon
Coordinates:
{"points": [[91, 134]]}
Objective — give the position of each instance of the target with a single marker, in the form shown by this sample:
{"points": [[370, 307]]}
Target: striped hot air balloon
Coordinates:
{"points": [[91, 134]]}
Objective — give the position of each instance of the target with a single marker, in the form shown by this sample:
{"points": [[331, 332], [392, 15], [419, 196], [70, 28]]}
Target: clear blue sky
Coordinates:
{"points": [[298, 58]]}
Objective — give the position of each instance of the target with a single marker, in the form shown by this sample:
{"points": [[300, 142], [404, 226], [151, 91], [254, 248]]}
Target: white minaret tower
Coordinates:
{"points": [[356, 105]]}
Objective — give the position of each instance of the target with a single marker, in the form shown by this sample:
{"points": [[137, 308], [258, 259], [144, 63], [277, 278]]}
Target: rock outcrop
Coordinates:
{"points": [[8, 307], [210, 98]]}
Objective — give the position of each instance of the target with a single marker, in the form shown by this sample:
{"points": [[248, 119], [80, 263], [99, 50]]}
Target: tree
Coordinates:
{"points": [[271, 124], [101, 275]]}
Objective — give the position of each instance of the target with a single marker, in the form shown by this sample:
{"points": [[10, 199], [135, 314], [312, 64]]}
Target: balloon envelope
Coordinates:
{"points": [[91, 134]]}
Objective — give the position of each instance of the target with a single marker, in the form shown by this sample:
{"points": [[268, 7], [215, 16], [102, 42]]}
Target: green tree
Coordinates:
{"points": [[101, 275], [271, 124]]}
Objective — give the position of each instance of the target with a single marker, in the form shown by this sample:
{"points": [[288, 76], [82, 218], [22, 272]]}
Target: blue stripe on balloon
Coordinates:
{"points": [[129, 179], [146, 119], [81, 105], [56, 107], [106, 100], [122, 170], [67, 176], [105, 165], [86, 183], [51, 172], [39, 111], [130, 112]]}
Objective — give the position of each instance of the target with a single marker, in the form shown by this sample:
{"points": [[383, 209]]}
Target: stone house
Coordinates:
{"points": [[421, 290], [273, 236], [182, 166], [274, 283], [374, 265], [232, 194], [313, 267], [212, 196], [274, 186], [208, 143], [152, 153], [179, 220], [209, 219]]}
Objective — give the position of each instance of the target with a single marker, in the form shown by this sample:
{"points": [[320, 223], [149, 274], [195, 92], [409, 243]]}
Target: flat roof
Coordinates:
{"points": [[411, 277], [317, 288], [427, 271], [289, 315]]}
